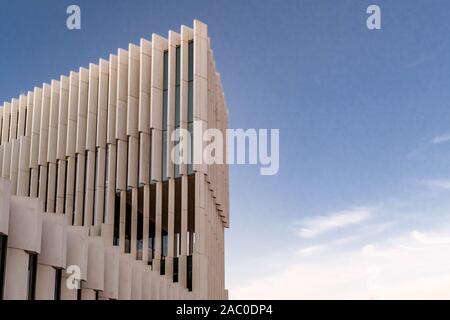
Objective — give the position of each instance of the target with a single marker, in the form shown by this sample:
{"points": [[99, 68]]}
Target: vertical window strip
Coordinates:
{"points": [[191, 103], [165, 114], [25, 121], [58, 279], [29, 182], [83, 203], [65, 187], [177, 102], [74, 189], [55, 194], [95, 187], [32, 270], [106, 183], [46, 188], [3, 248]]}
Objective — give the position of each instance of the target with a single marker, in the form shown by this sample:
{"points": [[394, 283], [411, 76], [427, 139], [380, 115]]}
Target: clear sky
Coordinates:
{"points": [[360, 207]]}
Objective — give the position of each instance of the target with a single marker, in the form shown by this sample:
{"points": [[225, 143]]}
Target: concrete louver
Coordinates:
{"points": [[86, 179]]}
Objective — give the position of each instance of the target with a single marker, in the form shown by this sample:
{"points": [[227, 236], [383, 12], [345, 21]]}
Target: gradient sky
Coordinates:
{"points": [[360, 207]]}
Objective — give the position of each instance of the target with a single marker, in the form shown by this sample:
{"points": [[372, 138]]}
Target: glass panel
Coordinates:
{"points": [[58, 275], [32, 269], [3, 248]]}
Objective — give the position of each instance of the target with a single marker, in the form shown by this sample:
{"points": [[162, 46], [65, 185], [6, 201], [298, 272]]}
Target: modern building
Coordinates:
{"points": [[89, 189]]}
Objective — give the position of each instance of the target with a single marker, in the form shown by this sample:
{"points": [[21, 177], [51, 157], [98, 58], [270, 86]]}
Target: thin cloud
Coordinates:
{"points": [[437, 184], [432, 239], [312, 250], [312, 227], [409, 265], [417, 62], [441, 139]]}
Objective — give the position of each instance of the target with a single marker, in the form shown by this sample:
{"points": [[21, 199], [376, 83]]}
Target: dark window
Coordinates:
{"points": [[177, 100], [29, 182], [106, 183], [140, 223], [32, 270], [189, 273], [175, 269], [17, 126], [163, 267], [152, 227], [38, 181], [25, 122], [46, 189], [65, 187], [3, 248], [128, 223], [79, 297], [96, 160], [55, 195], [191, 102], [116, 219], [58, 279], [84, 186], [74, 185], [165, 114]]}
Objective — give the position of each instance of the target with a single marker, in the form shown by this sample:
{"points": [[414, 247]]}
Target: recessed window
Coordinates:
{"points": [[32, 270], [165, 114], [191, 103], [58, 279], [3, 248]]}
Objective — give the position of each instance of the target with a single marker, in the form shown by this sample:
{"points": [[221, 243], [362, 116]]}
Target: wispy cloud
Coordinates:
{"points": [[407, 265], [417, 62], [432, 239], [312, 250], [312, 227], [437, 183], [441, 138]]}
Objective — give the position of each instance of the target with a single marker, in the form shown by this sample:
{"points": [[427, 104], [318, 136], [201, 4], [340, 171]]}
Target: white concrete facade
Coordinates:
{"points": [[86, 179]]}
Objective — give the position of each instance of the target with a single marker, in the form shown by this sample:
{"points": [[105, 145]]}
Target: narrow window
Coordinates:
{"points": [[38, 181], [46, 188], [189, 273], [17, 126], [79, 297], [116, 210], [55, 194], [3, 248], [106, 183], [140, 223], [191, 102], [58, 276], [128, 223], [29, 182], [175, 269], [165, 114], [74, 186], [95, 187], [84, 186], [25, 121], [177, 101], [65, 187], [32, 270]]}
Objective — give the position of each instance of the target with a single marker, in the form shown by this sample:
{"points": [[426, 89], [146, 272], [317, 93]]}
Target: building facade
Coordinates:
{"points": [[89, 190]]}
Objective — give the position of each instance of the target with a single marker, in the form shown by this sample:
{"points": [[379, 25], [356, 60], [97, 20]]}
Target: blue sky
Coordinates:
{"points": [[363, 118]]}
